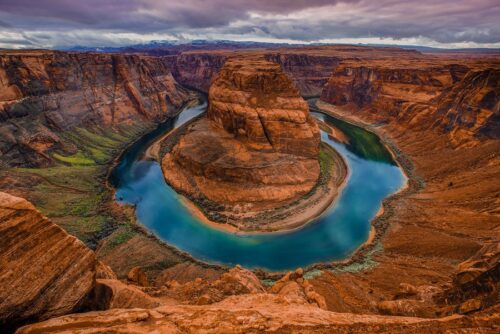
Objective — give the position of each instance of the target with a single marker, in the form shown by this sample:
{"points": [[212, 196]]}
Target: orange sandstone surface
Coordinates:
{"points": [[235, 302], [256, 149]]}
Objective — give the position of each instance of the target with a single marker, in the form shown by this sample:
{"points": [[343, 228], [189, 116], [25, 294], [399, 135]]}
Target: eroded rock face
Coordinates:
{"points": [[476, 284], [461, 100], [196, 69], [256, 149], [44, 93], [257, 103], [472, 105], [310, 72], [44, 272], [259, 313]]}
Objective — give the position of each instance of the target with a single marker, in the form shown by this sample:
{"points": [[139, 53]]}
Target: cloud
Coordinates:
{"points": [[99, 22]]}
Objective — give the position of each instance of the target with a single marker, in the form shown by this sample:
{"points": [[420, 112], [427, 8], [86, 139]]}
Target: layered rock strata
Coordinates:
{"points": [[44, 93], [256, 149], [44, 272], [458, 99]]}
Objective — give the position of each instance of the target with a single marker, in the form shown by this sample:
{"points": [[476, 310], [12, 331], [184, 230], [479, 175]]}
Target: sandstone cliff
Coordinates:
{"points": [[256, 149], [44, 93], [432, 111], [259, 105], [309, 67], [196, 70], [44, 272], [472, 105], [458, 98], [309, 72]]}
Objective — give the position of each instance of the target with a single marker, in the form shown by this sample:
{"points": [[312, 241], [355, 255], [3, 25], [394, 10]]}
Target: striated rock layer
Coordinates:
{"points": [[257, 103], [461, 99], [256, 149], [44, 93], [44, 272]]}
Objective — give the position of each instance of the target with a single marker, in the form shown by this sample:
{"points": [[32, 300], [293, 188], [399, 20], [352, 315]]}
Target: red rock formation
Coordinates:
{"points": [[309, 67], [196, 70], [44, 272], [451, 208], [310, 72], [259, 105], [461, 99], [260, 313], [258, 147], [44, 93], [472, 105], [475, 285], [111, 293]]}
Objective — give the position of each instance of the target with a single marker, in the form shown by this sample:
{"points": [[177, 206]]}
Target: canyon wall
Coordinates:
{"points": [[195, 70], [44, 93], [460, 98], [438, 114], [309, 67], [309, 72]]}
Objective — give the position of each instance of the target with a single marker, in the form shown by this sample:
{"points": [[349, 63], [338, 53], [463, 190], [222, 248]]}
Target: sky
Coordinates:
{"points": [[66, 23]]}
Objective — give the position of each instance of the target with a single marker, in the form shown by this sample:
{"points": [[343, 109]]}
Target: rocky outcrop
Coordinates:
{"points": [[43, 94], [259, 313], [476, 284], [257, 103], [111, 293], [44, 272], [237, 281], [257, 148], [138, 276]]}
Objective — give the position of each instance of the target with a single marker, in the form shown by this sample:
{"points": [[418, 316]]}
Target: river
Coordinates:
{"points": [[373, 175]]}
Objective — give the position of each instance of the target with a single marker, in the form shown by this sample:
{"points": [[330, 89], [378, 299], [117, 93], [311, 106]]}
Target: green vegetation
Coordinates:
{"points": [[75, 159], [325, 161], [73, 192], [366, 263], [312, 274], [120, 236], [84, 227], [268, 282]]}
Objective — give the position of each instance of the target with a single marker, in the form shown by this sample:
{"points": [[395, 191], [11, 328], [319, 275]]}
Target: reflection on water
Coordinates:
{"points": [[344, 227]]}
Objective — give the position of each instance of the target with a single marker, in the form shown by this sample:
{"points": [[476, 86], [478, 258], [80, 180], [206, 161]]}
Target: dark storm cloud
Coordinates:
{"points": [[455, 21], [148, 15]]}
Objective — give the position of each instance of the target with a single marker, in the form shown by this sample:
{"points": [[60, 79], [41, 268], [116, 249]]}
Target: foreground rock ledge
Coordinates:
{"points": [[44, 272], [256, 150]]}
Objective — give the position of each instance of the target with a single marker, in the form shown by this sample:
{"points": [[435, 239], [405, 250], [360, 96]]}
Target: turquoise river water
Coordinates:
{"points": [[373, 175]]}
